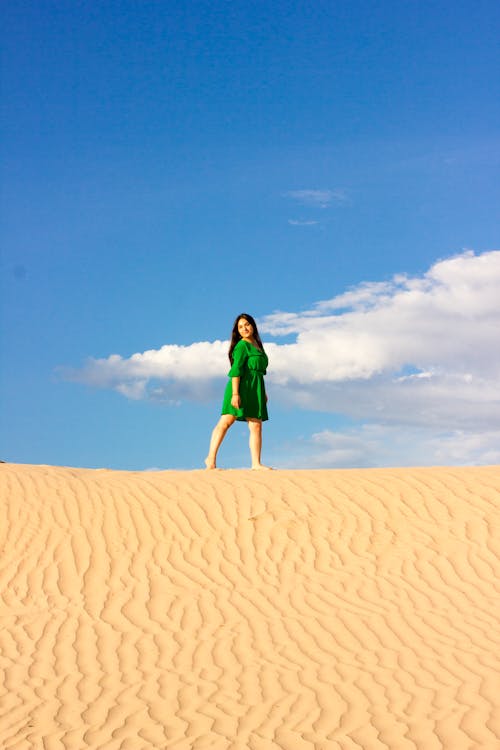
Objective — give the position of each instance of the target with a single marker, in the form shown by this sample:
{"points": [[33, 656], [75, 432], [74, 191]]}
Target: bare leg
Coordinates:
{"points": [[255, 442], [218, 435]]}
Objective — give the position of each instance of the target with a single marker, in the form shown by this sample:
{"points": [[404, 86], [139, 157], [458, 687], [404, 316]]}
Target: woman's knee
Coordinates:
{"points": [[254, 425], [226, 421]]}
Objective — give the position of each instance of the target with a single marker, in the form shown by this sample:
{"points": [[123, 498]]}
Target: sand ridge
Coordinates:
{"points": [[303, 610]]}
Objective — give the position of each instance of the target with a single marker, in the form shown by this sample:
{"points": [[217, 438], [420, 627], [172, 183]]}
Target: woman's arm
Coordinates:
{"points": [[235, 399]]}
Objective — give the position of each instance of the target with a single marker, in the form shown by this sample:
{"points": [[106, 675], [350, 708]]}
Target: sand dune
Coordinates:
{"points": [[243, 610]]}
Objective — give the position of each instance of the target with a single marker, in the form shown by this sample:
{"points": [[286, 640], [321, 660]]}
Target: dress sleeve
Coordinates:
{"points": [[240, 356]]}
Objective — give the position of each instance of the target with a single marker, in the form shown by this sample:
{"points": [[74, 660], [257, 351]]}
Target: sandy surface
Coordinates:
{"points": [[249, 610]]}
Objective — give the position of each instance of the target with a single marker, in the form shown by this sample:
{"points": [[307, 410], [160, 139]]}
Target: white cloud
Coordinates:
{"points": [[419, 353], [302, 222], [445, 322], [169, 374], [317, 198]]}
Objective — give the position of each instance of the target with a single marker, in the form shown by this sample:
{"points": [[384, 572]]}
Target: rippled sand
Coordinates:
{"points": [[304, 610]]}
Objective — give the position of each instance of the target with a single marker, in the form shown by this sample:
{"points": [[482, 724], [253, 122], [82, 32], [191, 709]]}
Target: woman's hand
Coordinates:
{"points": [[236, 401]]}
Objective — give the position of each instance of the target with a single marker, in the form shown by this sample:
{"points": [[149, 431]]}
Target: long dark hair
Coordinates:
{"points": [[235, 336]]}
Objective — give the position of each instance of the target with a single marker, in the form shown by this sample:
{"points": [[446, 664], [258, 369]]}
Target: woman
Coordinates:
{"points": [[245, 397]]}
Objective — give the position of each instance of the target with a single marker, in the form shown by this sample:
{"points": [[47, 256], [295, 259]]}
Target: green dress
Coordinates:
{"points": [[249, 364]]}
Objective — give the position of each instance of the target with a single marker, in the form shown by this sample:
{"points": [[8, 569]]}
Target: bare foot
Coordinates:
{"points": [[209, 464], [261, 466]]}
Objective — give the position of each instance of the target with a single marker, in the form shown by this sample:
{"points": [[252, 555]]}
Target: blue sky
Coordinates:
{"points": [[169, 165]]}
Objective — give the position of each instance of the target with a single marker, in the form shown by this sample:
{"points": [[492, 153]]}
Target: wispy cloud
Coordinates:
{"points": [[409, 354], [372, 444], [317, 198], [302, 222]]}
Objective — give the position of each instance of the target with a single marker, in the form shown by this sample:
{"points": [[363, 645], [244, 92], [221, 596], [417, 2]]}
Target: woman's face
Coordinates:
{"points": [[245, 329]]}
